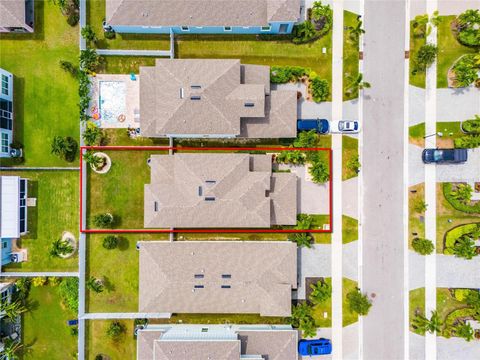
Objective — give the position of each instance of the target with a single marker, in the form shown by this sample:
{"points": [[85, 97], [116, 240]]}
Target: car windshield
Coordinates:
{"points": [[341, 125], [437, 155]]}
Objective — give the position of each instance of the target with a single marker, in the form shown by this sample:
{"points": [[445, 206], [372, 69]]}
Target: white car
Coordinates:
{"points": [[345, 126]]}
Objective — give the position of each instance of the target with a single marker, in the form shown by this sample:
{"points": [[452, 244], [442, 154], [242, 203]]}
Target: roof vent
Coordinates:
{"points": [[155, 206], [209, 198], [249, 104], [200, 191], [181, 93], [196, 86], [195, 97]]}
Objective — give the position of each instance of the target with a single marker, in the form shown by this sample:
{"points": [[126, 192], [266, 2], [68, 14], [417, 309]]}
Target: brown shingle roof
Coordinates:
{"points": [[262, 276], [196, 349], [200, 12], [206, 190], [12, 13]]}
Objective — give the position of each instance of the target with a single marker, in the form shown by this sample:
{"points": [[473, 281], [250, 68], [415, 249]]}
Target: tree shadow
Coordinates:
{"points": [[108, 285], [123, 243]]}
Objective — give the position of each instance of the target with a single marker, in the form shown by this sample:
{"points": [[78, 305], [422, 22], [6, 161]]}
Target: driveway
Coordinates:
{"points": [[452, 104], [458, 272], [312, 198], [313, 262], [456, 348]]}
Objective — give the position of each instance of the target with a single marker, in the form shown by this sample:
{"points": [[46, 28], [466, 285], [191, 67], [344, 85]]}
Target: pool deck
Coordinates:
{"points": [[132, 99]]}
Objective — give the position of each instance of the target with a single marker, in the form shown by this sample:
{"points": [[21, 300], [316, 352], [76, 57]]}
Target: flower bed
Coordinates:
{"points": [[471, 208], [454, 234]]}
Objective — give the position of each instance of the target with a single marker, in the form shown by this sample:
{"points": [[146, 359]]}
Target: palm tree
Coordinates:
{"points": [[58, 146], [302, 239], [465, 248], [11, 348], [424, 324], [93, 160], [420, 206], [95, 285], [12, 309], [462, 193], [60, 247], [356, 83], [357, 30], [420, 25], [465, 331], [308, 327], [89, 34], [321, 291]]}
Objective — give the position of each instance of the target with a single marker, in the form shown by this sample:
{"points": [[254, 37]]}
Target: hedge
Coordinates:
{"points": [[285, 74], [467, 142], [456, 204], [472, 126], [454, 234], [461, 294], [459, 313]]}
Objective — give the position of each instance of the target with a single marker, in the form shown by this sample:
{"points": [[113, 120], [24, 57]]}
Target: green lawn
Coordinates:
{"points": [[98, 342], [349, 153], [95, 17], [45, 333], [57, 209], [450, 131], [417, 305], [446, 212], [319, 311], [449, 50], [416, 134], [416, 222], [45, 96], [350, 52], [349, 317], [416, 41], [349, 229]]}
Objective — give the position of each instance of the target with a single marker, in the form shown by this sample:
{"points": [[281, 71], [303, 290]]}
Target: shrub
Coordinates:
{"points": [[39, 281], [95, 285], [115, 329], [472, 126], [319, 88], [88, 33], [304, 222], [110, 242], [420, 206], [319, 171], [468, 28], [321, 292], [285, 74], [461, 294], [89, 60], [467, 142], [425, 57], [92, 134], [458, 205], [72, 19], [64, 147], [354, 164], [109, 35], [294, 157], [456, 233], [322, 17], [465, 248], [300, 312], [54, 281], [23, 288], [68, 290], [473, 300], [465, 331], [423, 246], [103, 220], [306, 139], [84, 93], [465, 71], [60, 247], [69, 67], [304, 32], [358, 302]]}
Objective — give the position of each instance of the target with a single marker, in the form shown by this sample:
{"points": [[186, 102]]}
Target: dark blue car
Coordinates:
{"points": [[315, 347], [321, 126]]}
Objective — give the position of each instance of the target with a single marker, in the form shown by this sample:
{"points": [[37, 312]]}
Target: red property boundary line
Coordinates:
{"points": [[174, 148]]}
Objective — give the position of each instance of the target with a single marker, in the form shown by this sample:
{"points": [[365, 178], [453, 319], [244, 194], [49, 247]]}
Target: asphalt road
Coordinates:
{"points": [[383, 179]]}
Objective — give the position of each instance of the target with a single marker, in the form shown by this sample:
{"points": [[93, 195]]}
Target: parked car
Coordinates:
{"points": [[315, 347], [444, 156], [321, 126], [345, 126]]}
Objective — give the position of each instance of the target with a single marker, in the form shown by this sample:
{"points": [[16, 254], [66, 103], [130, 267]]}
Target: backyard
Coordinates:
{"points": [[53, 341], [45, 96], [98, 342], [56, 193]]}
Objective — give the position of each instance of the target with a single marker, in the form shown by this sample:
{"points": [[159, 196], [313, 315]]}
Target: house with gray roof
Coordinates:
{"points": [[213, 98], [218, 190], [217, 342], [221, 277], [16, 16], [202, 16]]}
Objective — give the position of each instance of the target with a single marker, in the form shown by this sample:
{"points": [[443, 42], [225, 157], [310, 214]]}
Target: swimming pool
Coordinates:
{"points": [[111, 100]]}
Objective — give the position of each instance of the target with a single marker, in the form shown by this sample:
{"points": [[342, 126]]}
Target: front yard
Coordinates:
{"points": [[57, 210], [350, 162], [45, 331], [450, 130], [45, 96], [350, 53]]}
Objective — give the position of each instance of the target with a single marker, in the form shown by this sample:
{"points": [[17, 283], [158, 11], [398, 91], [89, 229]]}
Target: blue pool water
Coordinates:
{"points": [[111, 102]]}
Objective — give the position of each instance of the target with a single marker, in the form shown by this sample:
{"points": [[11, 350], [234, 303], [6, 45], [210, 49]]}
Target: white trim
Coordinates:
{"points": [[263, 28]]}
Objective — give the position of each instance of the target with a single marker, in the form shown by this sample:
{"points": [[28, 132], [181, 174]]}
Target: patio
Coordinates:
{"points": [[115, 101]]}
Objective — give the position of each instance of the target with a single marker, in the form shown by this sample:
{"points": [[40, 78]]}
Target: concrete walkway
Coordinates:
{"points": [[350, 260], [114, 52], [337, 114], [452, 104]]}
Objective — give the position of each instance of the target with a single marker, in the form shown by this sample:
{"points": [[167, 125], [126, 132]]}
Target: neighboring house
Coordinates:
{"points": [[212, 98], [211, 190], [202, 16], [217, 342], [16, 16], [234, 277], [6, 113], [13, 215], [8, 329]]}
